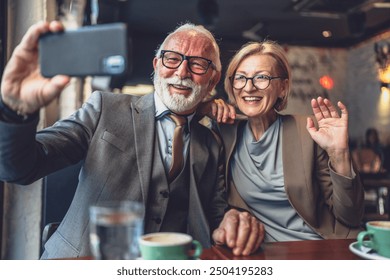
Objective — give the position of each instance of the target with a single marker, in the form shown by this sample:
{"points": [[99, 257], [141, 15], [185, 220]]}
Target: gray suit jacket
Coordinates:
{"points": [[332, 205], [114, 134]]}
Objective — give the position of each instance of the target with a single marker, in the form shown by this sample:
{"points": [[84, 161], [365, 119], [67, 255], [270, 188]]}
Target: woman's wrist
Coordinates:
{"points": [[340, 161]]}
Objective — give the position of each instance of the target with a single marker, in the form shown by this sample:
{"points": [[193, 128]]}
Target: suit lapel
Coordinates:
{"points": [[294, 160], [144, 130], [291, 169]]}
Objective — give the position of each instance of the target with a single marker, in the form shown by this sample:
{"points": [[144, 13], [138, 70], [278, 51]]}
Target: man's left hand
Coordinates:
{"points": [[240, 231]]}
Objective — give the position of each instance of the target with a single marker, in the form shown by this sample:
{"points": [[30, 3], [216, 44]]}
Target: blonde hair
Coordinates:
{"points": [[266, 47]]}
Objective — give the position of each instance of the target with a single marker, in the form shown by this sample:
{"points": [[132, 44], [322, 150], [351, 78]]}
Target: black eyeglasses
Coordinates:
{"points": [[259, 81], [197, 65]]}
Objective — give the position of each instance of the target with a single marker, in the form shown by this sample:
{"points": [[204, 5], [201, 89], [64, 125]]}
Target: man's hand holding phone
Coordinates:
{"points": [[47, 56], [93, 50], [23, 88]]}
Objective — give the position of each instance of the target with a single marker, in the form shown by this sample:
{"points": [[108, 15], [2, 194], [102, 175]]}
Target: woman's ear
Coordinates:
{"points": [[284, 88]]}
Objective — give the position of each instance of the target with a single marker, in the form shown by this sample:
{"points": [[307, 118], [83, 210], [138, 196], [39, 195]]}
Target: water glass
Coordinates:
{"points": [[115, 228]]}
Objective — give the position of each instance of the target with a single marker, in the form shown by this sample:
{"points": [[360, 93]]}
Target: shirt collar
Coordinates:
{"points": [[160, 106], [161, 109]]}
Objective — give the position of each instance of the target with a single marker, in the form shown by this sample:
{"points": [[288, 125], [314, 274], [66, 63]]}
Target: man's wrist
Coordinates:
{"points": [[9, 115]]}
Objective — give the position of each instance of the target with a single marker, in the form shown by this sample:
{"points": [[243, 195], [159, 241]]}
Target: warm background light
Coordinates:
{"points": [[326, 34], [384, 103], [384, 75], [326, 82]]}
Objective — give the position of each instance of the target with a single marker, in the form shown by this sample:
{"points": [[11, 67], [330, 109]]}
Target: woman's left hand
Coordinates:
{"points": [[332, 132]]}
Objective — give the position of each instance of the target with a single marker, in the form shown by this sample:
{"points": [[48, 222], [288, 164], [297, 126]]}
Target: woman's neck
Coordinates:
{"points": [[260, 124]]}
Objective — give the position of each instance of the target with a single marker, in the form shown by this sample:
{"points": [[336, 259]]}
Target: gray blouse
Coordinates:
{"points": [[257, 172]]}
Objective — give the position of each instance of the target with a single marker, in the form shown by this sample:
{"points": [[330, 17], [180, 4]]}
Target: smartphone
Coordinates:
{"points": [[94, 50]]}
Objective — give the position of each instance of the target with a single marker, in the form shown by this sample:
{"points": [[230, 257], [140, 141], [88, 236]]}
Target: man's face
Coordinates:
{"points": [[180, 89]]}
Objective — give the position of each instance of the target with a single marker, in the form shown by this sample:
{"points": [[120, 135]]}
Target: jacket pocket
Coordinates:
{"points": [[58, 247], [113, 140]]}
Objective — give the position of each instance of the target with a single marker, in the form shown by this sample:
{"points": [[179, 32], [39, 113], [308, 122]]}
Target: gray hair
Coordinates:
{"points": [[199, 29]]}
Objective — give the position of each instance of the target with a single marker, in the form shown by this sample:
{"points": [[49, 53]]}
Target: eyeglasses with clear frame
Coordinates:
{"points": [[260, 82], [196, 64]]}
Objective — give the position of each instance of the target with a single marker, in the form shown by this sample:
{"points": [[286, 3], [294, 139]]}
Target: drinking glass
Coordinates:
{"points": [[115, 228]]}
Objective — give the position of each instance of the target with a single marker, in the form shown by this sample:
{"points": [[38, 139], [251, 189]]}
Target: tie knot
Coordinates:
{"points": [[179, 120]]}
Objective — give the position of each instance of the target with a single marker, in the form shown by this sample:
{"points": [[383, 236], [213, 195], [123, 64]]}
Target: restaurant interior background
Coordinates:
{"points": [[337, 48]]}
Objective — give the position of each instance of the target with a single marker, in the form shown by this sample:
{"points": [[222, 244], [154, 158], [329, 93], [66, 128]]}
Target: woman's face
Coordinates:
{"points": [[255, 102]]}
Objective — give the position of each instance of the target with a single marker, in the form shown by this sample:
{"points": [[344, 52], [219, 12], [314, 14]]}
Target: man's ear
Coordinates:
{"points": [[155, 60], [214, 80]]}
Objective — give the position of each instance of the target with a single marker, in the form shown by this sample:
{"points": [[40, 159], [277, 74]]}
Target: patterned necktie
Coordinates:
{"points": [[177, 146]]}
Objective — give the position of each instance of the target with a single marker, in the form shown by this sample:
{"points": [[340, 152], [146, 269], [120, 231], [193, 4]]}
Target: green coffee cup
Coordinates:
{"points": [[169, 246], [376, 237]]}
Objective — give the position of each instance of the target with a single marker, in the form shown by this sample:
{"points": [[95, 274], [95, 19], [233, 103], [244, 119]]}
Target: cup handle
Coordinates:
{"points": [[197, 249], [361, 236]]}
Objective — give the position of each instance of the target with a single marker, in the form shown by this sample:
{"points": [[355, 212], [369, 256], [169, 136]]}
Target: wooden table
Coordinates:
{"points": [[336, 249]]}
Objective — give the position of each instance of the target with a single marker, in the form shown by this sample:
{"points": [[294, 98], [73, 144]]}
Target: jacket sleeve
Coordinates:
{"points": [[348, 199], [27, 155], [344, 196]]}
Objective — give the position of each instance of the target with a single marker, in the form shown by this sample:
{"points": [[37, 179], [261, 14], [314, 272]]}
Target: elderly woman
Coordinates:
{"points": [[293, 173]]}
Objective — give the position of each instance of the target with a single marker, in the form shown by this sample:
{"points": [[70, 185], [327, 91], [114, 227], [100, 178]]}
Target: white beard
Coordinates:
{"points": [[178, 102]]}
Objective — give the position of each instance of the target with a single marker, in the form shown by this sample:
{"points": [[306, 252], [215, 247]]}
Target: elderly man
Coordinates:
{"points": [[125, 143]]}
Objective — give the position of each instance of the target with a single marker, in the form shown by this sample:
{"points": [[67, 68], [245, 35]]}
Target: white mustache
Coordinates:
{"points": [[180, 82]]}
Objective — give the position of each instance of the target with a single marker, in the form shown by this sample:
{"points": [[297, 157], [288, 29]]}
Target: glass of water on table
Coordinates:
{"points": [[115, 227]]}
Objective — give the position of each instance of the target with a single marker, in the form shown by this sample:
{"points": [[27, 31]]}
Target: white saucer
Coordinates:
{"points": [[364, 252]]}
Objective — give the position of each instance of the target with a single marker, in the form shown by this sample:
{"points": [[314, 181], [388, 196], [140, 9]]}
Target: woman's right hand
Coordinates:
{"points": [[23, 88]]}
